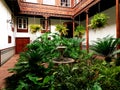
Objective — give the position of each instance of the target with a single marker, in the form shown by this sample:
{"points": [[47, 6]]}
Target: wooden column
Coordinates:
{"points": [[73, 22], [0, 58], [57, 2], [118, 23], [87, 31], [118, 19], [40, 1], [46, 24], [72, 3]]}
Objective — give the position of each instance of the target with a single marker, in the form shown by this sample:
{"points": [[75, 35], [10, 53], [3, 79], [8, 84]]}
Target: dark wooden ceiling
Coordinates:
{"points": [[13, 5], [99, 7]]}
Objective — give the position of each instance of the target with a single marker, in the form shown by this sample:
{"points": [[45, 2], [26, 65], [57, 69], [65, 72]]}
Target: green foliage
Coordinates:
{"points": [[34, 28], [70, 43], [106, 46], [98, 20], [62, 29], [35, 70], [80, 30], [96, 75], [96, 87]]}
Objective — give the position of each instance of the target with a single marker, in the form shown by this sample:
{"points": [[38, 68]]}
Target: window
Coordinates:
{"points": [[65, 3], [76, 1], [22, 24], [31, 1], [9, 39], [49, 2]]}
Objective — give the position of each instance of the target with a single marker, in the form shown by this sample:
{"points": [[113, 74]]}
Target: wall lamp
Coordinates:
{"points": [[9, 21]]}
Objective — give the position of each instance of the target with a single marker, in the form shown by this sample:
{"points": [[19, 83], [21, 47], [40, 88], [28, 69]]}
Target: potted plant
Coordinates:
{"points": [[62, 29], [99, 20], [106, 47], [79, 30], [35, 27]]}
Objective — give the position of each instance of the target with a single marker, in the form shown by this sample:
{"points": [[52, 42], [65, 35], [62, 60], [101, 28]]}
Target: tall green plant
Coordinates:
{"points": [[106, 47]]}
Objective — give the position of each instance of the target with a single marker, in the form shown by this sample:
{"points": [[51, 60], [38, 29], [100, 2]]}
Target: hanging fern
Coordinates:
{"points": [[80, 30], [35, 27], [62, 29], [99, 20]]}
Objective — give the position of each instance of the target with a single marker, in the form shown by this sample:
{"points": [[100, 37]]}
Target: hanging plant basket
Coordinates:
{"points": [[80, 30], [99, 20], [35, 27], [62, 29]]}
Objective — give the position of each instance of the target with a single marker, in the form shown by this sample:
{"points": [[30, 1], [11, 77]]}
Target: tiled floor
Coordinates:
{"points": [[4, 69]]}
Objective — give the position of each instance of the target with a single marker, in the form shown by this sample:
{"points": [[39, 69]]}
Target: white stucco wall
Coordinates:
{"points": [[49, 2], [109, 29], [5, 27]]}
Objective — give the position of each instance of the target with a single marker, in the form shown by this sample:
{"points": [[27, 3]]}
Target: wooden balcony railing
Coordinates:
{"points": [[55, 11]]}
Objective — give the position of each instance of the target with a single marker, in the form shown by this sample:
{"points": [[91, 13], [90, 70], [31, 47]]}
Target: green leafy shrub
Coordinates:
{"points": [[35, 70], [106, 47], [96, 75]]}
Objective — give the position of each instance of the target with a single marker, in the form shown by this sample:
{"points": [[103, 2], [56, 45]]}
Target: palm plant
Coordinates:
{"points": [[106, 47]]}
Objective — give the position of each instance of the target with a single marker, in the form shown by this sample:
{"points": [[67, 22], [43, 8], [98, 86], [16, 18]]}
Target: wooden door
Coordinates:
{"points": [[21, 43]]}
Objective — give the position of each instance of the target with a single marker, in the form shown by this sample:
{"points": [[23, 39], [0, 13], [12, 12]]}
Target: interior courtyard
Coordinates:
{"points": [[17, 17]]}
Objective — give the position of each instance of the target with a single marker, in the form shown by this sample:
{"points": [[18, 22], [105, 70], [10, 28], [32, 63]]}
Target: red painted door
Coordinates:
{"points": [[21, 43]]}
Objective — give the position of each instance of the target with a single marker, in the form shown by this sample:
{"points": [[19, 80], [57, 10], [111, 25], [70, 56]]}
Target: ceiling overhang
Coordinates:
{"points": [[13, 5]]}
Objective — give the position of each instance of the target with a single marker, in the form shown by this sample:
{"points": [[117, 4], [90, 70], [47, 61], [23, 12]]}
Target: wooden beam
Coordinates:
{"points": [[118, 19], [87, 31], [46, 23], [0, 58], [118, 23], [73, 22]]}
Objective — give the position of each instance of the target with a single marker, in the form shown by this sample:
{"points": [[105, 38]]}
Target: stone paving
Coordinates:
{"points": [[4, 69]]}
